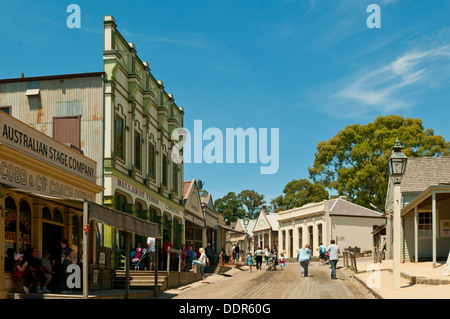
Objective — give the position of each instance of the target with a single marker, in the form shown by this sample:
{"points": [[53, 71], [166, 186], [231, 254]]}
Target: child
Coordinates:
{"points": [[250, 261], [19, 269], [281, 262]]}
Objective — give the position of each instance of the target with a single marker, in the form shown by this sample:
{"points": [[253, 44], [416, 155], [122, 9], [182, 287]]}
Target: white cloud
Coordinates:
{"points": [[390, 87]]}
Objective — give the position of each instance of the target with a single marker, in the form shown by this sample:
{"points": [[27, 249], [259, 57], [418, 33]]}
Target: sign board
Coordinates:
{"points": [[24, 138], [447, 266], [24, 178], [445, 228], [101, 258]]}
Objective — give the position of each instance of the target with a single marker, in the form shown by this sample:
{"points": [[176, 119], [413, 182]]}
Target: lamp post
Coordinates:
{"points": [[397, 165], [246, 222]]}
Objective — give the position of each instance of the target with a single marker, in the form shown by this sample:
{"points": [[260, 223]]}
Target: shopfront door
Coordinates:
{"points": [[51, 240]]}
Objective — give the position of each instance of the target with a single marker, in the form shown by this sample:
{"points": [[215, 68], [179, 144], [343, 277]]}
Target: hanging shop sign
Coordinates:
{"points": [[26, 139]]}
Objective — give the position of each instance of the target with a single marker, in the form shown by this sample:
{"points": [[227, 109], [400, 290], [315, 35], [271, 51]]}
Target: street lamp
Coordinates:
{"points": [[246, 222], [397, 165]]}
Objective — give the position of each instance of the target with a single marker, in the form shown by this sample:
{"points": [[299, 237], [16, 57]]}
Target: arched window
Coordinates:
{"points": [[24, 226], [120, 202], [300, 238], [140, 210], [57, 216], [46, 213]]}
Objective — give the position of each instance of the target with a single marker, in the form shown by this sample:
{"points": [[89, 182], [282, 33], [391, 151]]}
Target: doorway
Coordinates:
{"points": [[291, 244], [51, 237]]}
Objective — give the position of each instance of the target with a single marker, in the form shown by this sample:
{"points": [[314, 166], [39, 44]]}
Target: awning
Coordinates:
{"points": [[122, 221], [231, 229]]}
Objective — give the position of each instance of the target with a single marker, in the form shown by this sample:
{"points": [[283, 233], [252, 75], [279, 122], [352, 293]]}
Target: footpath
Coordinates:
{"points": [[418, 280]]}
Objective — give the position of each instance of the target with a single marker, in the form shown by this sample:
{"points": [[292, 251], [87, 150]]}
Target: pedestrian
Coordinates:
{"points": [[304, 257], [267, 255], [236, 252], [208, 251], [66, 261], [258, 257], [201, 261], [334, 251], [322, 251], [250, 261], [189, 257], [47, 267], [274, 253], [151, 252], [167, 245], [282, 262], [232, 255]]}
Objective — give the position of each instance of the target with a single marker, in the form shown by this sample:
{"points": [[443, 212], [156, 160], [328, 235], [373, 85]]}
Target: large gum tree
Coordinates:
{"points": [[354, 161]]}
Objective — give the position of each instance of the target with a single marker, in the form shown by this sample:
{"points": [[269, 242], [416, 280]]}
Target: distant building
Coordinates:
{"points": [[348, 224], [265, 232]]}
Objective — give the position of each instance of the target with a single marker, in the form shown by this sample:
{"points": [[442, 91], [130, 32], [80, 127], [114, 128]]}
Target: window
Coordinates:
{"points": [[119, 138], [137, 150], [151, 160], [6, 109], [67, 130], [164, 170], [175, 178], [425, 224]]}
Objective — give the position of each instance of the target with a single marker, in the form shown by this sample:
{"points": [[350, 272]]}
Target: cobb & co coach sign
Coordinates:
{"points": [[26, 139], [17, 176]]}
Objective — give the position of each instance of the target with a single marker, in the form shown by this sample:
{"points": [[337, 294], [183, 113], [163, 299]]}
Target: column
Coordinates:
{"points": [[433, 205], [416, 235]]}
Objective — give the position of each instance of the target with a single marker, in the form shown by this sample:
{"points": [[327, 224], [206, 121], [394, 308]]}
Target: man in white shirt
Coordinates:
{"points": [[151, 252], [333, 251]]}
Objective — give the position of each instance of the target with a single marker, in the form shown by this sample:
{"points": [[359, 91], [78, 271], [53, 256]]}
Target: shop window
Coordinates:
{"points": [[10, 232], [119, 137], [300, 237], [46, 214], [319, 229], [57, 216], [24, 239], [425, 224]]}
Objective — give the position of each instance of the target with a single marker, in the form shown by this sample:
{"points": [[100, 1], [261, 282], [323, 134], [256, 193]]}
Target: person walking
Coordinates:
{"points": [[304, 257], [267, 255], [250, 261], [236, 252], [258, 257], [333, 251], [322, 250]]}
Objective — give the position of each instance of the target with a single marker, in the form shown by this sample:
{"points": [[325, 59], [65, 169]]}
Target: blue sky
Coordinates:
{"points": [[307, 67]]}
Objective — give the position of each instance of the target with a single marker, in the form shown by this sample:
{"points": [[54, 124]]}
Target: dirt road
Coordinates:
{"points": [[279, 284]]}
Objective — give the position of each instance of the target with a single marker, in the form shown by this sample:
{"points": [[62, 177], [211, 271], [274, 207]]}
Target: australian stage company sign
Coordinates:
{"points": [[24, 138]]}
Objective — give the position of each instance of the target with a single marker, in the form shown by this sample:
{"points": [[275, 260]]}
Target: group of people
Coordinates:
{"points": [[188, 257], [47, 274], [331, 252], [267, 254]]}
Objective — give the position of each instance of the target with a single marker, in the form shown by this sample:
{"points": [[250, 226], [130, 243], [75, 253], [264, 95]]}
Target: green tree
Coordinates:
{"points": [[354, 161], [298, 193], [230, 206], [252, 201]]}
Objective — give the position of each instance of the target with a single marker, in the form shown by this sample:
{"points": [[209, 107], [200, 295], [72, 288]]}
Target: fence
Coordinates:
{"points": [[350, 261]]}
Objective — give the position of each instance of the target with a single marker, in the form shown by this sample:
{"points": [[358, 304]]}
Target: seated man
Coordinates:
{"points": [[34, 272]]}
